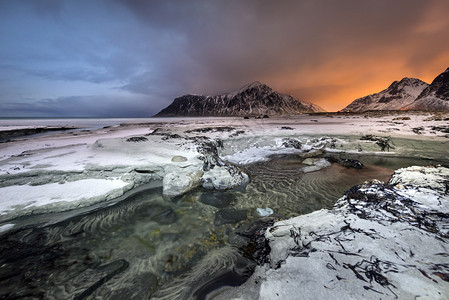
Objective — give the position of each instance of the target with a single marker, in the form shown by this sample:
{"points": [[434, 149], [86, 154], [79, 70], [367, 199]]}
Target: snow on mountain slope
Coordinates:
{"points": [[397, 96], [253, 99], [436, 96]]}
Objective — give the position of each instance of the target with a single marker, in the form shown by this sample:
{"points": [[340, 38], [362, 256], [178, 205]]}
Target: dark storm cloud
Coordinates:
{"points": [[118, 53], [299, 45]]}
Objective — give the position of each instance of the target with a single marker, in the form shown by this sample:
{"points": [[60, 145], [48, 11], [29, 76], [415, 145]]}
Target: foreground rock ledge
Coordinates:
{"points": [[381, 241]]}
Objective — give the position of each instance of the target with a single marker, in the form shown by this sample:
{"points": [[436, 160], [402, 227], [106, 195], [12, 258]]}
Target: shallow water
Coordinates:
{"points": [[148, 247]]}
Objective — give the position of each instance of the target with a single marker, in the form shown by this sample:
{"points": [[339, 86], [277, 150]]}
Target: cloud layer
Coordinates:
{"points": [[131, 58]]}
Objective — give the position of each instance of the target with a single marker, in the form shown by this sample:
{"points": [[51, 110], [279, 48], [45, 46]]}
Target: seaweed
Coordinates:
{"points": [[122, 266]]}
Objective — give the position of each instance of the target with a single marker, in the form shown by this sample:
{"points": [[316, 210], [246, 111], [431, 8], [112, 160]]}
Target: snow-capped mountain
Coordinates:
{"points": [[436, 96], [253, 99], [399, 95]]}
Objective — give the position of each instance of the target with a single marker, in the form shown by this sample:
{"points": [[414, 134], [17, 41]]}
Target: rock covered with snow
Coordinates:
{"points": [[380, 241], [315, 164], [224, 178], [181, 181], [213, 174], [435, 179]]}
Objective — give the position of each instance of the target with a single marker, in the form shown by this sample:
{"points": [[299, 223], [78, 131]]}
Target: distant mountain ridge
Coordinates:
{"points": [[253, 99], [407, 94]]}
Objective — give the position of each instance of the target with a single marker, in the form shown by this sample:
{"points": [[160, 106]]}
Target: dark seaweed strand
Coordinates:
{"points": [[124, 265]]}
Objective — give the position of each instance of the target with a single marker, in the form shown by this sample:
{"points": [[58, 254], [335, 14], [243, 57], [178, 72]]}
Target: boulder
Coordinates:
{"points": [[351, 163], [217, 199], [315, 164], [178, 182], [224, 178]]}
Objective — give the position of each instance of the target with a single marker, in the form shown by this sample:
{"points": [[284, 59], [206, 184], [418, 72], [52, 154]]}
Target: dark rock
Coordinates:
{"points": [[256, 246], [291, 143], [351, 163], [6, 135], [170, 136], [217, 198], [237, 133], [382, 142], [286, 128], [211, 129], [155, 131], [230, 216], [246, 117], [137, 139], [441, 128], [418, 130], [265, 117]]}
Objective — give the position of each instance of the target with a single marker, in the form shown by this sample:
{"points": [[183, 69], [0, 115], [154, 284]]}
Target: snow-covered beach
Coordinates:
{"points": [[49, 178]]}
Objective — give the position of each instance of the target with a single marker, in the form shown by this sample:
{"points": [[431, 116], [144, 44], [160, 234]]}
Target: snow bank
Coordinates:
{"points": [[27, 197]]}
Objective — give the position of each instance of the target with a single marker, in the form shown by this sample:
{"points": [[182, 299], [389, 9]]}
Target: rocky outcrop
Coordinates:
{"points": [[397, 96], [253, 99], [379, 241], [215, 174]]}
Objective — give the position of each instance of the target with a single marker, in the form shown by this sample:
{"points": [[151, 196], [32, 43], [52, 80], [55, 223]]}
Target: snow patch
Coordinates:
{"points": [[27, 196]]}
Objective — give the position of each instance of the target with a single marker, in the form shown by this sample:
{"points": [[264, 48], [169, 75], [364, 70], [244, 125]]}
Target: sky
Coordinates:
{"points": [[131, 58]]}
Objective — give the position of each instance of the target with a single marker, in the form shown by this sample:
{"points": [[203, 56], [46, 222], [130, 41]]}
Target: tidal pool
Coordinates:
{"points": [[148, 247]]}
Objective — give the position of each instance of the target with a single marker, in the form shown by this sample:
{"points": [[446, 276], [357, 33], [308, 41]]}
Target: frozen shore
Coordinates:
{"points": [[379, 240], [81, 168], [181, 154]]}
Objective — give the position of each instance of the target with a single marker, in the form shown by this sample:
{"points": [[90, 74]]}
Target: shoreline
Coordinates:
{"points": [[106, 154], [89, 170]]}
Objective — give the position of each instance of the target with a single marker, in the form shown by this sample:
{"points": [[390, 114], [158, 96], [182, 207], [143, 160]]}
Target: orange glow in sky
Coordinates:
{"points": [[132, 58]]}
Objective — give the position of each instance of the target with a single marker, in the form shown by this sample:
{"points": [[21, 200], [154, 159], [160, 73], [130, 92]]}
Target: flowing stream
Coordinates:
{"points": [[147, 247]]}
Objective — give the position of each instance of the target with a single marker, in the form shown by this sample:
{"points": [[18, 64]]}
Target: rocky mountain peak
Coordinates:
{"points": [[409, 81], [397, 96], [436, 96], [255, 84], [252, 99], [407, 86], [439, 87], [253, 87], [409, 93]]}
